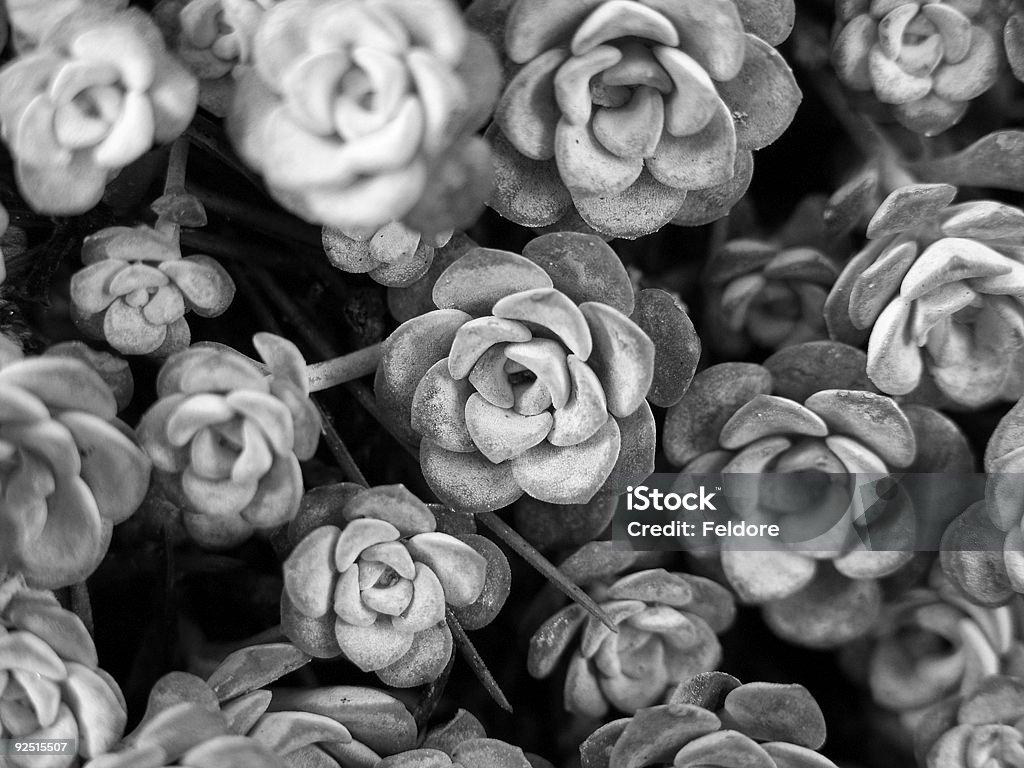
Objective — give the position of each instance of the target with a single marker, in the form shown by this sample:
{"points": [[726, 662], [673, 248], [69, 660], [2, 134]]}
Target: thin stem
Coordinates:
{"points": [[334, 442], [261, 219], [207, 136], [211, 244], [339, 370], [177, 165], [529, 553], [82, 605], [476, 663], [338, 448]]}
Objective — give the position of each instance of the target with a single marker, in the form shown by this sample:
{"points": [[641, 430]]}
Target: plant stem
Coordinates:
{"points": [[476, 663], [529, 553], [338, 448], [340, 370], [177, 165], [290, 228], [205, 134], [334, 442]]}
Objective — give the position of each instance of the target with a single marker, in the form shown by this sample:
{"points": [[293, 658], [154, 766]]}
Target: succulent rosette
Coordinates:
{"points": [[136, 287], [462, 742], [925, 59], [981, 729], [393, 255], [226, 439], [630, 114], [931, 643], [69, 469], [938, 294], [666, 631], [214, 38], [96, 94], [769, 292], [182, 728], [371, 578], [802, 443], [714, 719], [336, 726], [51, 686], [983, 549], [358, 114], [532, 375]]}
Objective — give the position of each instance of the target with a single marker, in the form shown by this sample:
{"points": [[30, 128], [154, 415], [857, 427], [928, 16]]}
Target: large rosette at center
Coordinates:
{"points": [[530, 377]]}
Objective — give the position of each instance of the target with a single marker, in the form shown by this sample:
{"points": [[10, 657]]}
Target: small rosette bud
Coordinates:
{"points": [[714, 719], [767, 297], [214, 38], [99, 92], [50, 684], [362, 113], [393, 255], [926, 59], [667, 626], [938, 294], [811, 456], [933, 643], [374, 585], [136, 287], [982, 729], [69, 470], [226, 439]]}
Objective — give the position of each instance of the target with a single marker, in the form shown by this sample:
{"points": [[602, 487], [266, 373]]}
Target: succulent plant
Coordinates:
{"points": [[634, 113], [214, 38], [714, 719], [371, 578], [182, 727], [69, 468], [925, 59], [931, 643], [463, 742], [798, 442], [96, 94], [666, 627], [531, 377], [51, 686], [112, 369], [392, 255], [135, 289], [335, 726], [979, 730], [938, 294], [362, 113], [769, 292], [226, 440], [983, 549]]}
